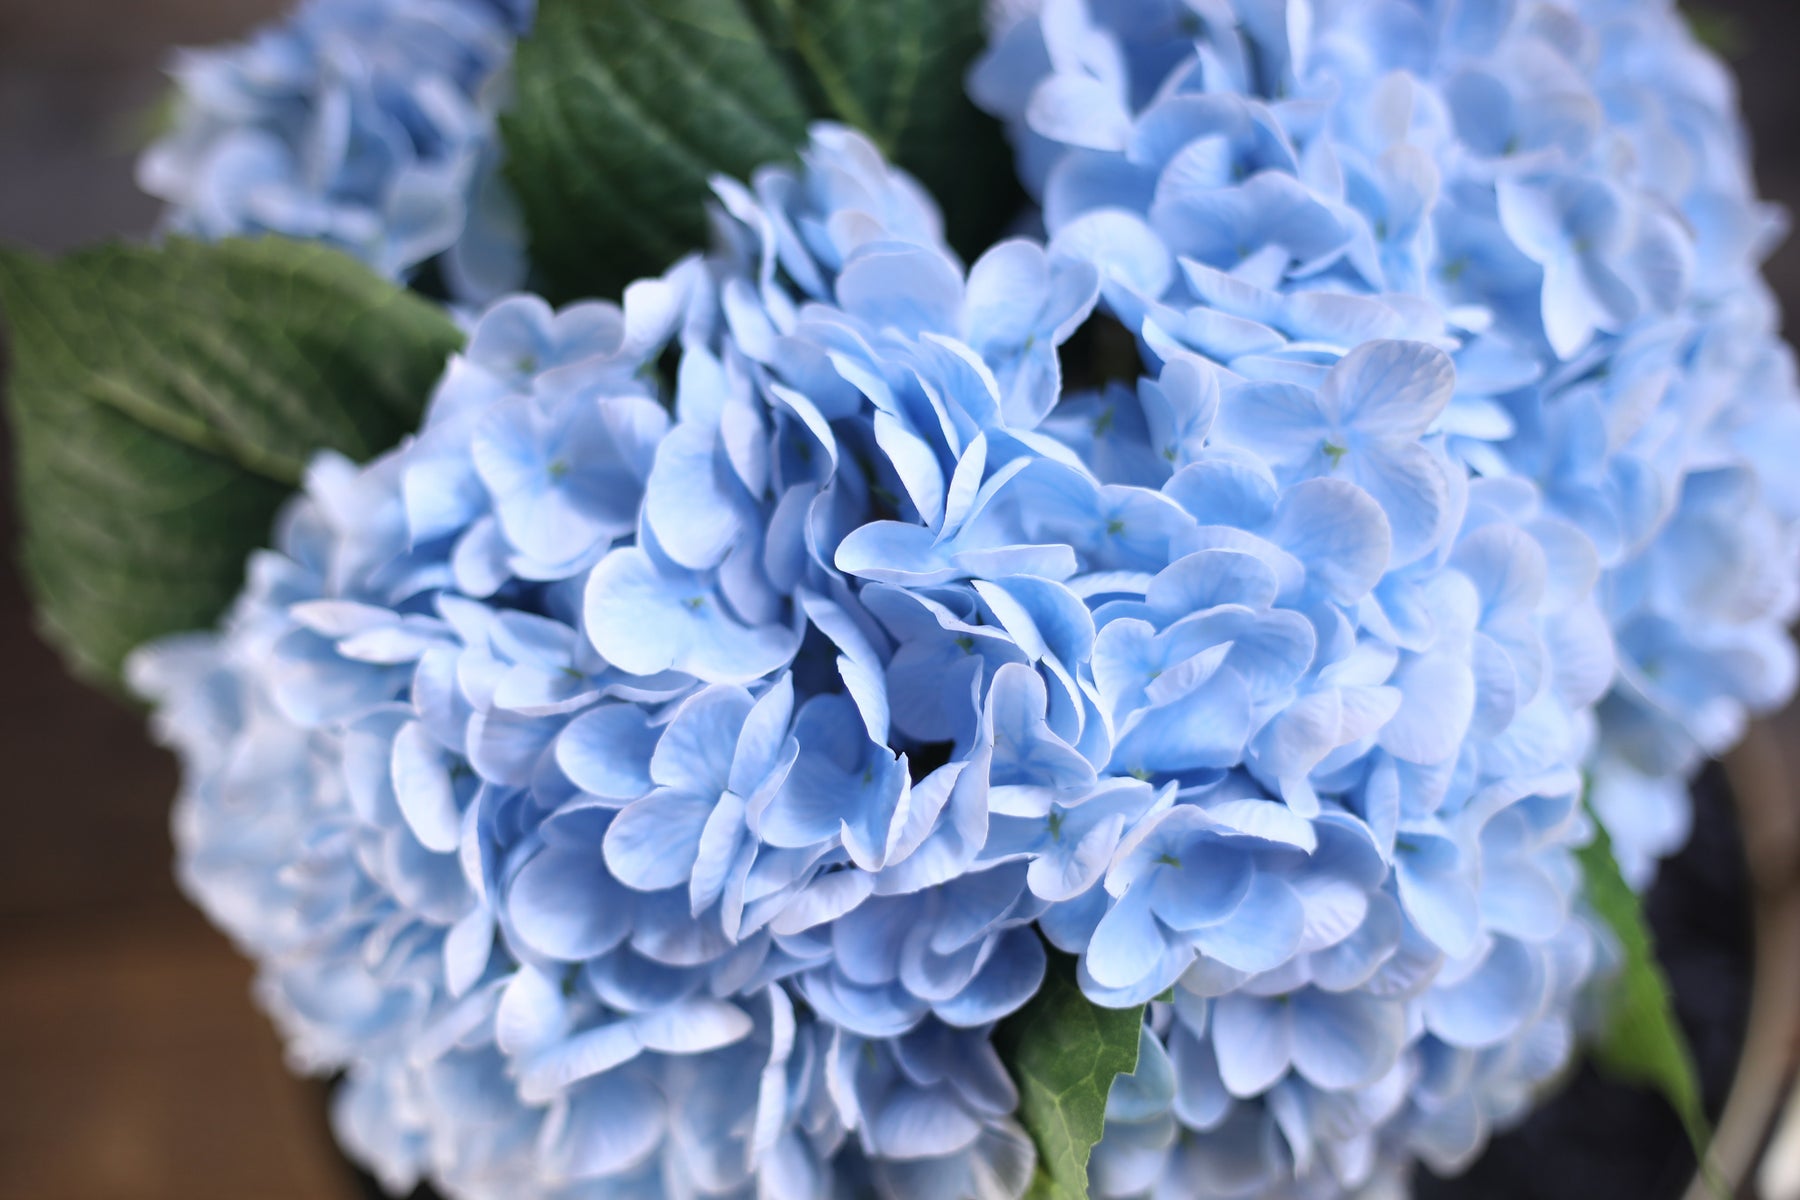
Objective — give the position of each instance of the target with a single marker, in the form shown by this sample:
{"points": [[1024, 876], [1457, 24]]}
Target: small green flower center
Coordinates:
{"points": [[1168, 860], [558, 468], [1334, 452]]}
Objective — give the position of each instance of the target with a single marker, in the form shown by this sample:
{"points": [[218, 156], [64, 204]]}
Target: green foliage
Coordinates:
{"points": [[1642, 1042], [1721, 32], [165, 400], [1063, 1051], [625, 109], [894, 69]]}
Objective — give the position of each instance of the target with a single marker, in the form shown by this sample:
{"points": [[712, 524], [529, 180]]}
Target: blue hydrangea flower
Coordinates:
{"points": [[544, 815], [772, 732], [364, 124], [1559, 198], [1552, 207], [664, 785]]}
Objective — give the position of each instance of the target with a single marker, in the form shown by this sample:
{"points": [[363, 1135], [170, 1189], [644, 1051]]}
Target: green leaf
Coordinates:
{"points": [[1063, 1051], [1721, 32], [625, 109], [165, 401], [894, 69], [1642, 1042]]}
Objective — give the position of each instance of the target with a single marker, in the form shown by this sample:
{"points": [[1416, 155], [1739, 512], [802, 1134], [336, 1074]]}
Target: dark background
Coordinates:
{"points": [[132, 1064]]}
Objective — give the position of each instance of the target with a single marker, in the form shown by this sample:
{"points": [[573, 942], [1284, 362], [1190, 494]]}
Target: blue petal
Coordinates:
{"points": [[916, 1124], [425, 790], [606, 752], [1389, 389], [606, 1128], [1149, 1090], [911, 289], [646, 619], [653, 842], [698, 747], [564, 904], [1262, 934], [1338, 533], [1127, 944], [1253, 1039], [1345, 1040], [1492, 1003]]}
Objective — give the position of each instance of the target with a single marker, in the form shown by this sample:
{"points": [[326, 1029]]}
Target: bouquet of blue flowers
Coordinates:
{"points": [[928, 600]]}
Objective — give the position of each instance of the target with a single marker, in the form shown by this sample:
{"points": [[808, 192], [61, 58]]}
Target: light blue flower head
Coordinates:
{"points": [[1557, 196], [1313, 200], [364, 124], [675, 758], [670, 764], [539, 800]]}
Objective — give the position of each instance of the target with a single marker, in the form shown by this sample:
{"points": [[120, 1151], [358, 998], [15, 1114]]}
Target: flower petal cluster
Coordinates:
{"points": [[658, 775], [364, 124], [541, 805], [1558, 195]]}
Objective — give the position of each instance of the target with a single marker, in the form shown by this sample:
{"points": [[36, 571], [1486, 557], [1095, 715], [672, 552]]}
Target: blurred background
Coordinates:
{"points": [[133, 1065]]}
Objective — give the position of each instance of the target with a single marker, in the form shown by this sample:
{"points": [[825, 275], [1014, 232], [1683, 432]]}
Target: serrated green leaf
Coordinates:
{"points": [[1642, 1042], [1063, 1051], [624, 110], [165, 400]]}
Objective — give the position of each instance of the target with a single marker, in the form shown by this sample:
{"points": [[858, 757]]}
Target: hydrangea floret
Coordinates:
{"points": [[364, 124]]}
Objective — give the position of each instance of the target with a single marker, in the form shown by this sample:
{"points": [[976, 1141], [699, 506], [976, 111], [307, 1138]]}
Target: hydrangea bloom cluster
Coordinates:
{"points": [[1558, 195], [526, 769], [642, 799], [658, 776], [364, 124]]}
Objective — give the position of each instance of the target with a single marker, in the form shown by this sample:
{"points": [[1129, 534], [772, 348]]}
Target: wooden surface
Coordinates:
{"points": [[132, 1063]]}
